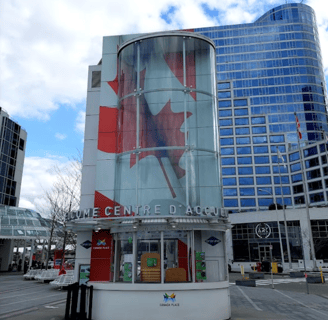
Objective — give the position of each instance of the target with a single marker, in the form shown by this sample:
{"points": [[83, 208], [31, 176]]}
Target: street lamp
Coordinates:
{"points": [[286, 231]]}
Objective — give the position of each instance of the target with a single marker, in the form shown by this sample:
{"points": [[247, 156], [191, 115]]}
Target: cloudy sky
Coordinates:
{"points": [[47, 46]]}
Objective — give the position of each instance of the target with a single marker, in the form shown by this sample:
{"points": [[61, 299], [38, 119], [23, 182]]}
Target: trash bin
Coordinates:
{"points": [[258, 266]]}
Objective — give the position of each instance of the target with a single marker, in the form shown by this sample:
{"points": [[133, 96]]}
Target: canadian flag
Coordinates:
{"points": [[298, 127]]}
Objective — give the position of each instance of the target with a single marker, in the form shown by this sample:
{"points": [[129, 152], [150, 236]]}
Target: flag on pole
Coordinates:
{"points": [[298, 127], [281, 157]]}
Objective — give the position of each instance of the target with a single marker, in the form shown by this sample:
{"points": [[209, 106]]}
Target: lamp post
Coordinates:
{"points": [[279, 232]]}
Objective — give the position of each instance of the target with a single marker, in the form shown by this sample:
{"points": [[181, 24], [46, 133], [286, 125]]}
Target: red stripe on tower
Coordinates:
{"points": [[298, 127]]}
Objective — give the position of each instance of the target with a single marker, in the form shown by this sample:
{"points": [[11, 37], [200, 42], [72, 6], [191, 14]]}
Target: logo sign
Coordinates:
{"points": [[263, 230], [213, 241], [86, 244], [101, 242], [169, 300]]}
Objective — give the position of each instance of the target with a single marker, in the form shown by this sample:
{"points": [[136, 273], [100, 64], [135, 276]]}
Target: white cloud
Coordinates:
{"points": [[60, 136], [80, 122], [46, 46], [38, 176]]}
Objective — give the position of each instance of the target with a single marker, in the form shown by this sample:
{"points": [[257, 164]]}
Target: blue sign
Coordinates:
{"points": [[86, 244], [212, 241]]}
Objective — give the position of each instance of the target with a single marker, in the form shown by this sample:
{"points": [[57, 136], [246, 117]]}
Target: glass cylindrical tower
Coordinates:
{"points": [[167, 125]]}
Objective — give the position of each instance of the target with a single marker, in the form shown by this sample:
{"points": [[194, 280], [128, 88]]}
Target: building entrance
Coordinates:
{"points": [[264, 253]]}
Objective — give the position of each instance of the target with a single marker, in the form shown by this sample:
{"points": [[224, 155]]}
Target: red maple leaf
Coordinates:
{"points": [[161, 130]]}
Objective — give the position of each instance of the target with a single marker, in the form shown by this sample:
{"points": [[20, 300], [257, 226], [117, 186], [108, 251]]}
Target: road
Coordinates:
{"points": [[31, 300], [25, 297]]}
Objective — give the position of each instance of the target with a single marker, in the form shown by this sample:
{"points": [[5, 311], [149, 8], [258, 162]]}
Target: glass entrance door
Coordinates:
{"points": [[264, 253]]}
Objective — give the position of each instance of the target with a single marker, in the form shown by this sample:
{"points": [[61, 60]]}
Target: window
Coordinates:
{"points": [[96, 79], [260, 160], [227, 161], [317, 185], [241, 121], [260, 139], [258, 120], [310, 151], [242, 131], [284, 179], [229, 181], [240, 103], [21, 144], [262, 170], [246, 191], [249, 202], [294, 156], [296, 177], [227, 151], [286, 190], [226, 132], [295, 167], [225, 104], [265, 202], [241, 112], [263, 180], [228, 171], [258, 130], [317, 197], [277, 139], [225, 113], [312, 163], [225, 122], [244, 160], [226, 141], [244, 150], [223, 85], [230, 192], [246, 181], [243, 140], [313, 174], [224, 94], [230, 202], [299, 200], [298, 189], [260, 149], [245, 170]]}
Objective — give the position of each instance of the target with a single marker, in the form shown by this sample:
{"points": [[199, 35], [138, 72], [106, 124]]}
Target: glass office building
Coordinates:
{"points": [[266, 71]]}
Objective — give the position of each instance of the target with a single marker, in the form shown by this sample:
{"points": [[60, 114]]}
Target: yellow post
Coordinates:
{"points": [[321, 274], [242, 271], [274, 266]]}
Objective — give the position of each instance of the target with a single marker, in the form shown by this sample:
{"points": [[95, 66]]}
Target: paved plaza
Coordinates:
{"points": [[31, 300]]}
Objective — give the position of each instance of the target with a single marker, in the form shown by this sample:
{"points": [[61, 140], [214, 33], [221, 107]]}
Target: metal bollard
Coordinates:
{"points": [[68, 302], [90, 302], [75, 298], [82, 302]]}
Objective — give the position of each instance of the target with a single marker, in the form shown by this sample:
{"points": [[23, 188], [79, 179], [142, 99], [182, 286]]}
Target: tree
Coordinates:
{"points": [[62, 198]]}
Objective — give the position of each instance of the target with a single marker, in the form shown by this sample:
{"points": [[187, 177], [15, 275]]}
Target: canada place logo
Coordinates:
{"points": [[168, 298], [101, 242], [86, 244]]}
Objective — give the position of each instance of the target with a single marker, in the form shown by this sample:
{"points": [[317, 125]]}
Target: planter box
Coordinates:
{"points": [[256, 275], [315, 279], [246, 283], [296, 274]]}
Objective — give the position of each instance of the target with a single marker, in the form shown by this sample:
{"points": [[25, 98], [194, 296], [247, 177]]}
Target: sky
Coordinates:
{"points": [[47, 46]]}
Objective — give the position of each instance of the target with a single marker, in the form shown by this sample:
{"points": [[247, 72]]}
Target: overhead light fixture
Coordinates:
{"points": [[135, 224], [173, 223]]}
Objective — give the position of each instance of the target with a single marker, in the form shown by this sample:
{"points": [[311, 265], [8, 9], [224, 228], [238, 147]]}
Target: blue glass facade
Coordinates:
{"points": [[266, 71]]}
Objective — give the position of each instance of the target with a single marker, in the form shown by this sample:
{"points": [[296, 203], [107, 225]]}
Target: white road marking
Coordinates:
{"points": [[7, 304], [249, 300], [325, 314]]}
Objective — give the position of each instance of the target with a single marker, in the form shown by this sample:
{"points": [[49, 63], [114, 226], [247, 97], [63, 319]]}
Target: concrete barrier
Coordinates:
{"points": [[296, 274], [246, 283], [256, 275]]}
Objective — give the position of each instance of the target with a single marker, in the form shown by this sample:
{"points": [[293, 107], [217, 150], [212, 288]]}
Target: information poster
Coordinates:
{"points": [[84, 274]]}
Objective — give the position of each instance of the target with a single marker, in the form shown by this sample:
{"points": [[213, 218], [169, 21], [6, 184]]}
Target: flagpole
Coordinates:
{"points": [[312, 252], [285, 219]]}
